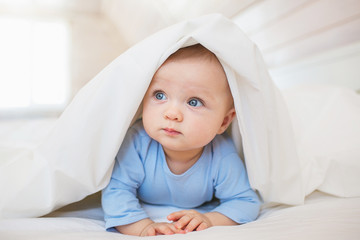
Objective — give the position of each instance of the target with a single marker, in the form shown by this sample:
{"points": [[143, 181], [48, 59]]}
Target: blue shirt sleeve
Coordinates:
{"points": [[238, 201], [119, 201]]}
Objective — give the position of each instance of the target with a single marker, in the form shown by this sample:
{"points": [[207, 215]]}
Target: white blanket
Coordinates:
{"points": [[76, 158]]}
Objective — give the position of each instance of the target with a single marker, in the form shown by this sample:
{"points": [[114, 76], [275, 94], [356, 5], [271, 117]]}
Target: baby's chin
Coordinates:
{"points": [[181, 148]]}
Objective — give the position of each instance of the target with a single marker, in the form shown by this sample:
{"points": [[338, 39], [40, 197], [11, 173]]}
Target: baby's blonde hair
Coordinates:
{"points": [[194, 51]]}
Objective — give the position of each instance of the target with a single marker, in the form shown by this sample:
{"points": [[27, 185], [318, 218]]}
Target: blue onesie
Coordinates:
{"points": [[141, 174]]}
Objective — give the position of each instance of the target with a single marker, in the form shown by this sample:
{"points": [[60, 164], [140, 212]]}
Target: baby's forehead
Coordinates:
{"points": [[208, 59], [191, 72]]}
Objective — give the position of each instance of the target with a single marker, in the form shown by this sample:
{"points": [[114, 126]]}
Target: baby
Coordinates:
{"points": [[179, 155]]}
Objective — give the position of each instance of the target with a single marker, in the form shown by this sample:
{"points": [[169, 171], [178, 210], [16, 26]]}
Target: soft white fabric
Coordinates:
{"points": [[76, 159], [326, 121], [321, 217]]}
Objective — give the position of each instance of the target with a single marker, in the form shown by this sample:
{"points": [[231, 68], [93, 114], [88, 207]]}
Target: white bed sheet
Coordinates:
{"points": [[321, 217]]}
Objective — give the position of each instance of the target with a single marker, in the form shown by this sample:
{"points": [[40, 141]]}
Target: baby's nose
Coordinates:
{"points": [[173, 114]]}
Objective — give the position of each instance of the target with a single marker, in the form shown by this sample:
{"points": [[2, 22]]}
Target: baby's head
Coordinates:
{"points": [[188, 101]]}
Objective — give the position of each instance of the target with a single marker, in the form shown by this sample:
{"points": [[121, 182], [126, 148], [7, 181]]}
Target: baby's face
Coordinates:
{"points": [[185, 104]]}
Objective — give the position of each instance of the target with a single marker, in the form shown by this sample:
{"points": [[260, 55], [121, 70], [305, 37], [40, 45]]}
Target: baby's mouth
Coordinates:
{"points": [[171, 131]]}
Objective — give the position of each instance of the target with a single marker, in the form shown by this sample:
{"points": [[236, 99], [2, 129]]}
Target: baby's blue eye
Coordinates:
{"points": [[160, 96], [195, 102]]}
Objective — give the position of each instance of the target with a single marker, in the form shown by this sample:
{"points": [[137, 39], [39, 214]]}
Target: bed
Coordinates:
{"points": [[321, 217], [306, 165]]}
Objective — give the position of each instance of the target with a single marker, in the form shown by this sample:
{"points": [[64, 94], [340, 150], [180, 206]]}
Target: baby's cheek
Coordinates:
{"points": [[202, 135]]}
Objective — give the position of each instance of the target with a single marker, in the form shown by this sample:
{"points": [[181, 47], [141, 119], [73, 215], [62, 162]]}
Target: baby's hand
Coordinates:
{"points": [[160, 228], [190, 220]]}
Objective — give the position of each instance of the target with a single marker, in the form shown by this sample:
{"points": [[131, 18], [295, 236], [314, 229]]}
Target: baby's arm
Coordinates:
{"points": [[147, 227], [191, 220]]}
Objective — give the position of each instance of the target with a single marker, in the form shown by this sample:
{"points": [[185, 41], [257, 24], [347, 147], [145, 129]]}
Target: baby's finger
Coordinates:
{"points": [[183, 221], [175, 229], [202, 226], [193, 224], [176, 215], [164, 229]]}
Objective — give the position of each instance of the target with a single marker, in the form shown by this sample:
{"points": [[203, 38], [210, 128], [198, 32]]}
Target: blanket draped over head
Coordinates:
{"points": [[77, 157]]}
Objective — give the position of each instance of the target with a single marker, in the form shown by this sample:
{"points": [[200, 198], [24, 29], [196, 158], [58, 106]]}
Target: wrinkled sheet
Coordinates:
{"points": [[321, 217], [76, 158]]}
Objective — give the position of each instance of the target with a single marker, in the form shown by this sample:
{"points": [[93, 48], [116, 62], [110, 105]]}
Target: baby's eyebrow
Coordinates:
{"points": [[201, 89]]}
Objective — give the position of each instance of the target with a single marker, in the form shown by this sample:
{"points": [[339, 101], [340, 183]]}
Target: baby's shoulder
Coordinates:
{"points": [[137, 134], [223, 144], [225, 155], [138, 128]]}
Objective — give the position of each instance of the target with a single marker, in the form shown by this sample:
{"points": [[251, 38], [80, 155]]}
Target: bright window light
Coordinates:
{"points": [[34, 60]]}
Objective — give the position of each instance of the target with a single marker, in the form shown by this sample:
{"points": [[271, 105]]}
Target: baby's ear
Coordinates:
{"points": [[227, 120]]}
